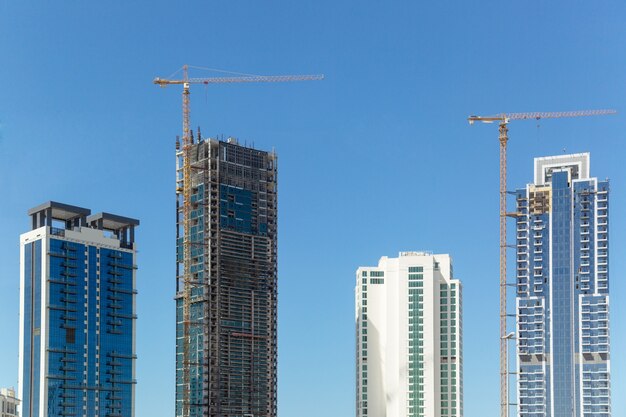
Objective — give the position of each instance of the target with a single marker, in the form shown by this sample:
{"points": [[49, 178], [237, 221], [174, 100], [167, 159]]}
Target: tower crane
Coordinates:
{"points": [[503, 120], [187, 191]]}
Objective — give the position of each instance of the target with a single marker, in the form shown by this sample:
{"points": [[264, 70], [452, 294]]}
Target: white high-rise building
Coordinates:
{"points": [[409, 355]]}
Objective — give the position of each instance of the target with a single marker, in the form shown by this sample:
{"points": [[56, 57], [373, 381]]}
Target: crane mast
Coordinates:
{"points": [[503, 121], [504, 355], [187, 143], [186, 246]]}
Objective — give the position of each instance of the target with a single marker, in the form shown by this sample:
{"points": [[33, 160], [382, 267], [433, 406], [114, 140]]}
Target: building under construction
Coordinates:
{"points": [[231, 365]]}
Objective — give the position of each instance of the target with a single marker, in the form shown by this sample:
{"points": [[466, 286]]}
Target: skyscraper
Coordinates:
{"points": [[409, 359], [232, 343], [563, 291], [77, 314]]}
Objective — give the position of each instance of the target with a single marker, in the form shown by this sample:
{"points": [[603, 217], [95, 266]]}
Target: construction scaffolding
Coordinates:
{"points": [[233, 286], [225, 269]]}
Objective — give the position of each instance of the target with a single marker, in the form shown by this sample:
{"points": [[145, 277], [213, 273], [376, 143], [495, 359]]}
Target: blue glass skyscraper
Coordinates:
{"points": [[563, 291], [77, 314]]}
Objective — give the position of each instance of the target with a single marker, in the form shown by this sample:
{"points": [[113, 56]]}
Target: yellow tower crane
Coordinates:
{"points": [[503, 120], [187, 191]]}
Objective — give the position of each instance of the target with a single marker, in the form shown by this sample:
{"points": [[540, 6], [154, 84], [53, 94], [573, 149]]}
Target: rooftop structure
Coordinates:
{"points": [[8, 403]]}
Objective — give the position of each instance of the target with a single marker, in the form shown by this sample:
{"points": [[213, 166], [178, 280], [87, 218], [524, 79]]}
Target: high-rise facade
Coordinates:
{"points": [[563, 291], [232, 333], [409, 358], [77, 314]]}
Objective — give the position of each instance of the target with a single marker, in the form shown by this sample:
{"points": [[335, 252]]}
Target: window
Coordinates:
{"points": [[416, 269], [70, 336]]}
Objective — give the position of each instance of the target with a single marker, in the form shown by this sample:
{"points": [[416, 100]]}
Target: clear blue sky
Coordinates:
{"points": [[375, 159]]}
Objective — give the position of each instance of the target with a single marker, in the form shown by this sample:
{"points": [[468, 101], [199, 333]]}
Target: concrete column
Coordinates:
{"points": [[48, 217]]}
